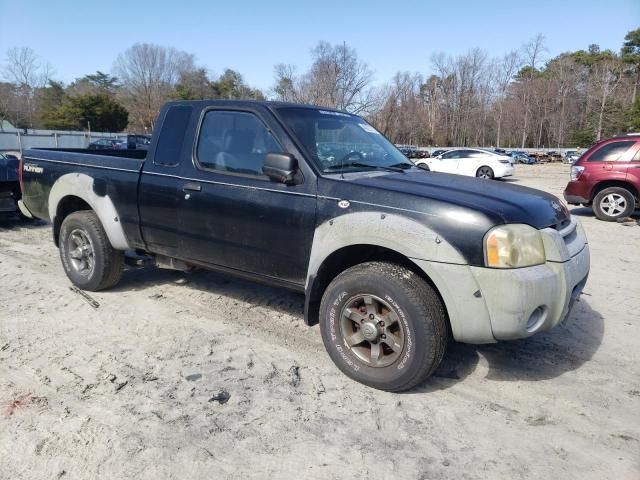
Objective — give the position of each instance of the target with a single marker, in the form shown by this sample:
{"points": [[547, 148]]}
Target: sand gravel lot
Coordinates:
{"points": [[199, 375]]}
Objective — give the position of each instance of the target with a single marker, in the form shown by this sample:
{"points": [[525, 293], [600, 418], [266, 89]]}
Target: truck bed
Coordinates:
{"points": [[113, 172]]}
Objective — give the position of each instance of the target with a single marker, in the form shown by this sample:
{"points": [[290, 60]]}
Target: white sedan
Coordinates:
{"points": [[472, 162]]}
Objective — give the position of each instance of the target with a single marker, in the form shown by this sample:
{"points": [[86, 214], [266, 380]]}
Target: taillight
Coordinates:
{"points": [[20, 173], [576, 171]]}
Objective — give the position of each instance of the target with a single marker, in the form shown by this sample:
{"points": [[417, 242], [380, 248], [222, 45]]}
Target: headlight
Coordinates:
{"points": [[513, 246], [576, 172]]}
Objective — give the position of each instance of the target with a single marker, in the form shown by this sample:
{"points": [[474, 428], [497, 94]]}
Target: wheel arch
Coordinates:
{"points": [[66, 206], [614, 183], [347, 257], [74, 192]]}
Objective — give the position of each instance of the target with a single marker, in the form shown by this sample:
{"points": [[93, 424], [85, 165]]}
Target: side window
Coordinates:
{"points": [[450, 155], [474, 154], [636, 157], [611, 152], [172, 133], [234, 142]]}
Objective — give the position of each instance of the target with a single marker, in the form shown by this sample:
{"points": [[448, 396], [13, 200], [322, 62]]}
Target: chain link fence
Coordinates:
{"points": [[18, 141]]}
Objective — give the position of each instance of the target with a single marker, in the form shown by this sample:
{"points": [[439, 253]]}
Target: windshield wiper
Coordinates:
{"points": [[402, 165], [390, 168]]}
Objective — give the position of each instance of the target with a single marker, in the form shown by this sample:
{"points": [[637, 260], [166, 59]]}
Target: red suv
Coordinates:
{"points": [[607, 177]]}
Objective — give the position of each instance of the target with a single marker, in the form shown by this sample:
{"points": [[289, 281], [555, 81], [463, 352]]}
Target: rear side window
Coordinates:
{"points": [[174, 129], [611, 152], [475, 154]]}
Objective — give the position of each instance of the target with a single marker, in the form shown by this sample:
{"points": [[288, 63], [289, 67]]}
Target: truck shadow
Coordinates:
{"points": [[541, 357], [544, 356], [13, 222], [214, 283]]}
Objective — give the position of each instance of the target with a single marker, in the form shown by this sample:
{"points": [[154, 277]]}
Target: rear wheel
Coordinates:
{"points": [[485, 172], [613, 203], [88, 258], [383, 326]]}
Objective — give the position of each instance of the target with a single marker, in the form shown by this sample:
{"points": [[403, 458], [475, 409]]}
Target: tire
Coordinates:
{"points": [[613, 203], [88, 258], [485, 172], [408, 315]]}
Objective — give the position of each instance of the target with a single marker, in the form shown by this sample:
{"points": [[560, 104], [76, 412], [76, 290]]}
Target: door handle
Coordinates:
{"points": [[192, 187]]}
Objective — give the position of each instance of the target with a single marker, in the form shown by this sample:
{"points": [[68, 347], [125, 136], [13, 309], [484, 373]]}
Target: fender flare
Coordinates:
{"points": [[398, 233], [395, 232], [81, 185]]}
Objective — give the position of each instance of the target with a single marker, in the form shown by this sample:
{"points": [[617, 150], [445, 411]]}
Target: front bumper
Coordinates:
{"points": [[525, 301], [485, 304]]}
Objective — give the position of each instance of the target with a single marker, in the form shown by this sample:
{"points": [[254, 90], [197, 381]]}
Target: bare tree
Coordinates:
{"points": [[337, 78], [148, 74], [506, 69], [607, 73], [532, 52], [23, 68], [287, 86]]}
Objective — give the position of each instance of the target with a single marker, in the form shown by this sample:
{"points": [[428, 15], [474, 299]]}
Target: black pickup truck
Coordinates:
{"points": [[393, 260]]}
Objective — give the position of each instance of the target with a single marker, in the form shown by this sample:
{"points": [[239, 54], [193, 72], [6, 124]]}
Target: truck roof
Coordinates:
{"points": [[250, 103]]}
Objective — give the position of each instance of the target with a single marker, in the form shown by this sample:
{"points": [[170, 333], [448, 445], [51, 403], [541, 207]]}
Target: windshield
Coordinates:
{"points": [[337, 141]]}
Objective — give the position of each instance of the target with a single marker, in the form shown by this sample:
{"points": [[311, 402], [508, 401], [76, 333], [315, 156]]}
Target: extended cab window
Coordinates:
{"points": [[234, 142], [174, 128], [611, 152]]}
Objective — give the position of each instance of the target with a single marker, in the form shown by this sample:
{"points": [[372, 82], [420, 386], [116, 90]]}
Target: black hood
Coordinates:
{"points": [[499, 201], [460, 209]]}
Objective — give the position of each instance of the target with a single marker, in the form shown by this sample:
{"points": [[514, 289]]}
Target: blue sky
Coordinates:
{"points": [[80, 37]]}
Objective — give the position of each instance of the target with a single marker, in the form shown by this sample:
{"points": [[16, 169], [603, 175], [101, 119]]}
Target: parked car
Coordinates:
{"points": [[473, 162], [607, 178], [9, 183], [107, 144], [390, 258], [570, 156], [130, 142], [522, 158], [553, 156]]}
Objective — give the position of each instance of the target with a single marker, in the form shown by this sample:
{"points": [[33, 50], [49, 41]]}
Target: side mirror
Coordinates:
{"points": [[280, 167], [439, 157], [424, 166]]}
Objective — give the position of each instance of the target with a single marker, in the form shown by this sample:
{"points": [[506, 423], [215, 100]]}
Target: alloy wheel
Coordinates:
{"points": [[372, 330]]}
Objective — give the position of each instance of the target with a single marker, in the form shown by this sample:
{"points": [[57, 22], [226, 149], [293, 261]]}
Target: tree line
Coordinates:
{"points": [[522, 99]]}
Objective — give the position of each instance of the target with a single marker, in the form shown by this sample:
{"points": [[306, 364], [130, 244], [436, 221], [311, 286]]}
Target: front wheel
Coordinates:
{"points": [[485, 172], [88, 258], [613, 203], [383, 326]]}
